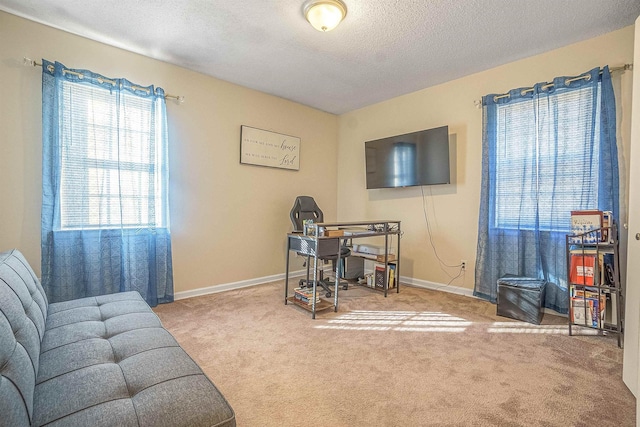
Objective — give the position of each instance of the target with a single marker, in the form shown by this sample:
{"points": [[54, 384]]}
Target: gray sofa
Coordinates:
{"points": [[99, 361]]}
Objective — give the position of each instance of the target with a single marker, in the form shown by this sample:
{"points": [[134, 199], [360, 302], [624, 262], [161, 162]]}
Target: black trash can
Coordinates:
{"points": [[521, 298]]}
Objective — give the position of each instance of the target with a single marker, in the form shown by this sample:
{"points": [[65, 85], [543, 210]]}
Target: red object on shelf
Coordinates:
{"points": [[582, 269]]}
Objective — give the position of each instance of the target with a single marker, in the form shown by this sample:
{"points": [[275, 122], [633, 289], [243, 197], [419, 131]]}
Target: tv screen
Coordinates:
{"points": [[418, 158]]}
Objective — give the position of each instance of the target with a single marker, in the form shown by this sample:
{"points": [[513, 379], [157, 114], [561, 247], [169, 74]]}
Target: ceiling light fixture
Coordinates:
{"points": [[325, 15]]}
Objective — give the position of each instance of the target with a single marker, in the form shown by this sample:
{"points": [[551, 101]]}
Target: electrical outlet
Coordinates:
{"points": [[463, 264]]}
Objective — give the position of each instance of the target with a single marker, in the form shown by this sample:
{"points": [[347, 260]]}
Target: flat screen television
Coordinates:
{"points": [[417, 158]]}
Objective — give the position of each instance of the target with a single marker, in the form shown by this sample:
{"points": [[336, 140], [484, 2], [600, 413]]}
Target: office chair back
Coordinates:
{"points": [[305, 208]]}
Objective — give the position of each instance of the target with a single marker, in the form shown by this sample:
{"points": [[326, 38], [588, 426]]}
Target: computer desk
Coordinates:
{"points": [[321, 246]]}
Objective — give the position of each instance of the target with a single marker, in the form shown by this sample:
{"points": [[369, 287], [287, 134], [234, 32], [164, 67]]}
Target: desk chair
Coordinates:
{"points": [[305, 208]]}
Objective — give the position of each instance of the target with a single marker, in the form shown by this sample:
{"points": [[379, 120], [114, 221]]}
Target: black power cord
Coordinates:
{"points": [[441, 263]]}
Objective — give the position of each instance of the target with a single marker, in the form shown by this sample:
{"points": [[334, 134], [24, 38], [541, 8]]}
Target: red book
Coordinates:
{"points": [[582, 269]]}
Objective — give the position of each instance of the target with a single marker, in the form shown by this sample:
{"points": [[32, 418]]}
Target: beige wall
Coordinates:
{"points": [[228, 220], [453, 209]]}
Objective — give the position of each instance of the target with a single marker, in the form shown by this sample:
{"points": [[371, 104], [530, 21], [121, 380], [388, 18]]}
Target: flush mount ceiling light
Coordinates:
{"points": [[325, 15]]}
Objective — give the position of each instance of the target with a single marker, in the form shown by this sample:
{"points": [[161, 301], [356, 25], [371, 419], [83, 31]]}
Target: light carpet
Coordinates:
{"points": [[417, 358]]}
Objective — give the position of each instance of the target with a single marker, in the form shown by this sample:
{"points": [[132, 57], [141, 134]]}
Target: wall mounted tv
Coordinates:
{"points": [[418, 158]]}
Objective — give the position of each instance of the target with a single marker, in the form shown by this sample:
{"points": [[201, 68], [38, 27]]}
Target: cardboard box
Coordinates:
{"points": [[390, 258]]}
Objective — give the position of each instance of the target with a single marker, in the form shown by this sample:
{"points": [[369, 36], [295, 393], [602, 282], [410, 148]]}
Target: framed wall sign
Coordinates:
{"points": [[265, 148]]}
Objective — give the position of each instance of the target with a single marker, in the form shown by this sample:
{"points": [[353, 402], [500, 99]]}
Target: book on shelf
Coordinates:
{"points": [[582, 223], [583, 267], [305, 296], [587, 308], [591, 294], [607, 223], [581, 312], [304, 300], [380, 271], [594, 226], [612, 314]]}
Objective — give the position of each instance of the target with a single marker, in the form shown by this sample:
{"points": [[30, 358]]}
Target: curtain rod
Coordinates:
{"points": [[30, 62], [622, 68]]}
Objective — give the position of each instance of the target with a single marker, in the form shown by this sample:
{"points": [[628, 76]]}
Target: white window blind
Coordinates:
{"points": [[111, 161], [547, 163]]}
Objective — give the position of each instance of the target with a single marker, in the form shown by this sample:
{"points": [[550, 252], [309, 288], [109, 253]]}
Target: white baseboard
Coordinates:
{"points": [[235, 285], [419, 283], [404, 281]]}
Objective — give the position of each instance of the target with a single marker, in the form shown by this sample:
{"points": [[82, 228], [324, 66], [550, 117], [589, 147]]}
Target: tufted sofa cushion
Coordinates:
{"points": [[103, 360]]}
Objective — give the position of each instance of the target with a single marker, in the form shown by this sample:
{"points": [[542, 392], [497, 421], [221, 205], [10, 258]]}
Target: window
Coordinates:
{"points": [[105, 225], [546, 163], [110, 160], [546, 150]]}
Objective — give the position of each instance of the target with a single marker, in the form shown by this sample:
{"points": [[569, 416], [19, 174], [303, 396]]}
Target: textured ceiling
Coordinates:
{"points": [[383, 48]]}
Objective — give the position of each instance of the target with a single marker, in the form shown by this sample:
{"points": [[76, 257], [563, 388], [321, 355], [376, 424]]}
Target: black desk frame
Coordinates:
{"points": [[318, 246]]}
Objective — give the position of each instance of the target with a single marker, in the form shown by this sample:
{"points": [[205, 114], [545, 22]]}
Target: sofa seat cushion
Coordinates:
{"points": [[107, 360]]}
